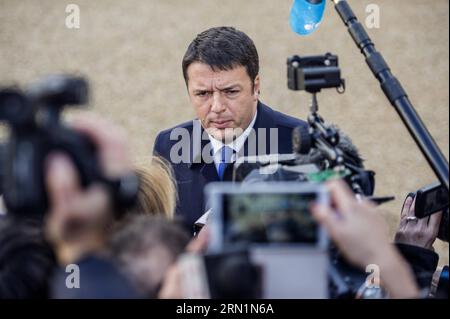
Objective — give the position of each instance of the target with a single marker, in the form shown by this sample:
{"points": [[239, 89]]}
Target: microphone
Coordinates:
{"points": [[304, 146], [306, 15]]}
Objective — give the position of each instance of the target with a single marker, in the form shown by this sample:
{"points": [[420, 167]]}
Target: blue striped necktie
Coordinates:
{"points": [[225, 156]]}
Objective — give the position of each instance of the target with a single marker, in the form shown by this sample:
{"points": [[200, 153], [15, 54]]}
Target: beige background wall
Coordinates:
{"points": [[131, 51]]}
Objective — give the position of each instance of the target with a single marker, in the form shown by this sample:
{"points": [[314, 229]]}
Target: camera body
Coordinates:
{"points": [[36, 131], [313, 73], [320, 150]]}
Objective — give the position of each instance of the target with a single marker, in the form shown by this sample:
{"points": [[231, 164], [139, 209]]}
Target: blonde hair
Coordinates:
{"points": [[157, 190]]}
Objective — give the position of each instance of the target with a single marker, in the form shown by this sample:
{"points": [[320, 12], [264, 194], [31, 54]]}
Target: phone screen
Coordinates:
{"points": [[269, 218]]}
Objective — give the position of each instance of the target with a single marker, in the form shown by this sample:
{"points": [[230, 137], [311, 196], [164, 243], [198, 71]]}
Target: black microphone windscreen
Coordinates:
{"points": [[301, 139], [311, 155]]}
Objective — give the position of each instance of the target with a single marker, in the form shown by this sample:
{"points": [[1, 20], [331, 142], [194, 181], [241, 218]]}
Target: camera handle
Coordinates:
{"points": [[325, 138], [51, 115], [395, 93]]}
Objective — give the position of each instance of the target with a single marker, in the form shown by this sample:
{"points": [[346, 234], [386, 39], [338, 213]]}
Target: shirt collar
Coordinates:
{"points": [[238, 143]]}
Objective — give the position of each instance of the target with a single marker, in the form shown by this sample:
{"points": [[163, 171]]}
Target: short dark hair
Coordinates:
{"points": [[223, 48]]}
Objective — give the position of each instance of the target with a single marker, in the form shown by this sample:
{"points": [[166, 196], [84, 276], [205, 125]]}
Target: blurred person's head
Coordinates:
{"points": [[157, 191], [26, 259], [221, 70], [145, 247]]}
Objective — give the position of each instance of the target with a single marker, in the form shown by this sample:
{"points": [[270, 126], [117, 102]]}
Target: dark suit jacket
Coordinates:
{"points": [[193, 173], [99, 278]]}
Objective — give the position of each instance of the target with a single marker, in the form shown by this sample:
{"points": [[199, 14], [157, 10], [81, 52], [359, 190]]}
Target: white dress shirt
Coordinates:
{"points": [[236, 145]]}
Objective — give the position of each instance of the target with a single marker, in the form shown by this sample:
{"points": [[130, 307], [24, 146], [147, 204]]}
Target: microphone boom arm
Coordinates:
{"points": [[326, 138], [395, 93]]}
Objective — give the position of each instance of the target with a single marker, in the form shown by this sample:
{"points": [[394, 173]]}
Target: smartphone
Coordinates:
{"points": [[274, 223], [267, 214], [431, 199]]}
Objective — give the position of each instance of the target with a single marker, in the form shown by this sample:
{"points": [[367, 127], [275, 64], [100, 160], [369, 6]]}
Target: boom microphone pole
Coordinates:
{"points": [[306, 16], [395, 93]]}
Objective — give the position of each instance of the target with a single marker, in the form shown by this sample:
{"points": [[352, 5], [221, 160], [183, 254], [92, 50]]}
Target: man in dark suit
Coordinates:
{"points": [[221, 70]]}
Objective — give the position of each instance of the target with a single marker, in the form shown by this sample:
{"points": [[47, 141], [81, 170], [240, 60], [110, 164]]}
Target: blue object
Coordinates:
{"points": [[306, 15]]}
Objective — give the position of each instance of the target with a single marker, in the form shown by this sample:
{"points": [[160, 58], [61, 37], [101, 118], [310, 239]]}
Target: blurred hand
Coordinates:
{"points": [[357, 228], [360, 233], [78, 218], [172, 286], [417, 232], [199, 243]]}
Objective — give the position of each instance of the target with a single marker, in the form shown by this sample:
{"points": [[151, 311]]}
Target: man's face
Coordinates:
{"points": [[224, 101]]}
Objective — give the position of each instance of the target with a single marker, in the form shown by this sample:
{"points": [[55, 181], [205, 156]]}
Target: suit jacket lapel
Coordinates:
{"points": [[209, 172], [200, 151], [255, 142]]}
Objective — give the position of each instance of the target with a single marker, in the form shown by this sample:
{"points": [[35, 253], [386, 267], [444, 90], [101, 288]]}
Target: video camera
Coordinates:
{"points": [[36, 130], [320, 151]]}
